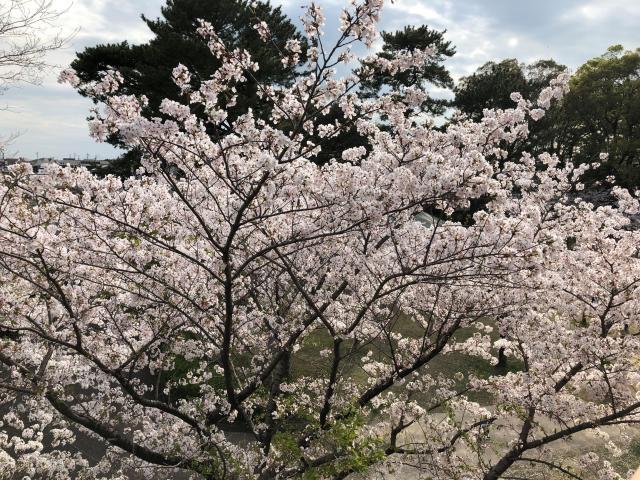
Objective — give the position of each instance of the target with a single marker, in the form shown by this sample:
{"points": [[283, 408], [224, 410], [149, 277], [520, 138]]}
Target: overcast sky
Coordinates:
{"points": [[51, 117]]}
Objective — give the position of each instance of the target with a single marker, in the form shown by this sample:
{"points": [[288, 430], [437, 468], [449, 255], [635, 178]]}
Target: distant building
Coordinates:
{"points": [[72, 162], [91, 164]]}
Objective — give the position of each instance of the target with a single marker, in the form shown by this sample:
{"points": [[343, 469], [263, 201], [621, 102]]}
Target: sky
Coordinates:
{"points": [[50, 119]]}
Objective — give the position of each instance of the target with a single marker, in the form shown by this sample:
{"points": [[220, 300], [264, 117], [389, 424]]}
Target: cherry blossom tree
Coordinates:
{"points": [[237, 286]]}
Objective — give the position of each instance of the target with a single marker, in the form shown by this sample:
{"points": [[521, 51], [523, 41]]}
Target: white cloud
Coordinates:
{"points": [[600, 11], [51, 118], [414, 9]]}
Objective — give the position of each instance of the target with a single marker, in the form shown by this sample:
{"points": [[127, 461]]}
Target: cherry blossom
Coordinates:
{"points": [[236, 285]]}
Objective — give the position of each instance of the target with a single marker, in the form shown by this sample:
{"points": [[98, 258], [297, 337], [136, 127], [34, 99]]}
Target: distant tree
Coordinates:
{"points": [[27, 34], [604, 109], [147, 68], [423, 75], [430, 74], [601, 114], [491, 87]]}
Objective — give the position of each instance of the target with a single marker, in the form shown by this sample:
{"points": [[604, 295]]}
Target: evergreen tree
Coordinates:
{"points": [[434, 73], [147, 67], [491, 87], [600, 114], [604, 109]]}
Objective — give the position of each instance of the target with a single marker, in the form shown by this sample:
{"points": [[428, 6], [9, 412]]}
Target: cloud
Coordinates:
{"points": [[108, 20], [51, 118], [599, 12], [414, 9]]}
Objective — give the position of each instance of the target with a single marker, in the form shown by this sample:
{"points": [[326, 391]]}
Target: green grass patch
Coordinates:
{"points": [[308, 362]]}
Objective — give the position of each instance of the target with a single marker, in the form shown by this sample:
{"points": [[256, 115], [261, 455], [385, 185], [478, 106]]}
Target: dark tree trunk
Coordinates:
{"points": [[502, 357]]}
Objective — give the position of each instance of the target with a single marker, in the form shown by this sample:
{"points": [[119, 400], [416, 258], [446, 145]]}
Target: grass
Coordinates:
{"points": [[308, 362], [628, 461]]}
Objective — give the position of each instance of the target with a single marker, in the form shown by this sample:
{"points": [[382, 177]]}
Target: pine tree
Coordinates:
{"points": [[147, 67]]}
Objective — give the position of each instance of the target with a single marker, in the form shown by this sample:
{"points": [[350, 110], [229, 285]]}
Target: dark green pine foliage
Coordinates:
{"points": [[434, 73], [490, 86], [147, 68]]}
